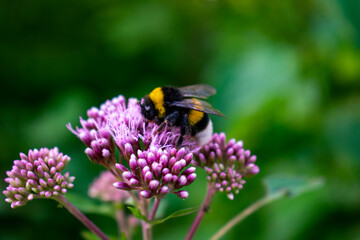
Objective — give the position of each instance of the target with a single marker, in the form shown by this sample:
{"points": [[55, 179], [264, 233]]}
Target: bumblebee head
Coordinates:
{"points": [[147, 108]]}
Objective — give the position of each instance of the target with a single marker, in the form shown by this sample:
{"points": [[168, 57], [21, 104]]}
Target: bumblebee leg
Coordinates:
{"points": [[170, 119], [161, 126], [179, 142], [184, 130], [186, 125], [157, 120]]}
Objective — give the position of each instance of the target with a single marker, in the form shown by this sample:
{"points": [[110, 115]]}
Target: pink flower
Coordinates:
{"points": [[102, 188], [226, 163]]}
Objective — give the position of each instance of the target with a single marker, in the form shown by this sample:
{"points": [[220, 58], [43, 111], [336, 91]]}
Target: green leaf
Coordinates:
{"points": [[87, 205], [122, 236], [87, 235], [292, 186], [137, 213], [176, 214]]}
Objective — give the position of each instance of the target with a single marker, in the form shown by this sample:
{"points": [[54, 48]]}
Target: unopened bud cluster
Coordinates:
{"points": [[37, 174], [226, 163], [157, 172]]}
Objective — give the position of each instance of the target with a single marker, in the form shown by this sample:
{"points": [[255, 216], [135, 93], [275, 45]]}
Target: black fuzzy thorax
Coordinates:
{"points": [[172, 94]]}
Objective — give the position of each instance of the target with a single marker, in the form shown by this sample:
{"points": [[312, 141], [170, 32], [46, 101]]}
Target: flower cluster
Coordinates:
{"points": [[157, 172], [102, 188], [95, 133], [155, 166], [226, 163], [37, 174], [121, 122]]}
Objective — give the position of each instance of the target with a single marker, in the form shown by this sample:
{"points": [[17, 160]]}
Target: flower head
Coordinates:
{"points": [[155, 166], [157, 172], [102, 188], [95, 133], [122, 123], [37, 174], [226, 163]]}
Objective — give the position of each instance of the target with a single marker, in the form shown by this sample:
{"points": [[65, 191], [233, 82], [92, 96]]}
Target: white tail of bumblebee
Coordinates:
{"points": [[204, 136]]}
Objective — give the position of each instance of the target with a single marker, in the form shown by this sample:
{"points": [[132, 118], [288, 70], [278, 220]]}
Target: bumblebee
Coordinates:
{"points": [[181, 107]]}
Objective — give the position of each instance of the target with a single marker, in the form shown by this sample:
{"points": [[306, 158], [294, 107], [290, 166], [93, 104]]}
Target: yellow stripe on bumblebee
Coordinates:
{"points": [[157, 97], [195, 116]]}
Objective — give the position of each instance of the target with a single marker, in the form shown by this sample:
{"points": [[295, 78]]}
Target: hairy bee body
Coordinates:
{"points": [[180, 107]]}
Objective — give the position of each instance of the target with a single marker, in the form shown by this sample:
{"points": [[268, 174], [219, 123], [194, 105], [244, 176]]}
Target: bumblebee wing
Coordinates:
{"points": [[198, 91], [197, 105]]}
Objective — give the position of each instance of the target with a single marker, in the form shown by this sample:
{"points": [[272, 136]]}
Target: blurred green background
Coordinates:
{"points": [[287, 75]]}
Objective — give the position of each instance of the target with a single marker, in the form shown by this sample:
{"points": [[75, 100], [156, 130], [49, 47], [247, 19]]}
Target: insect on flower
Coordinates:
{"points": [[181, 107]]}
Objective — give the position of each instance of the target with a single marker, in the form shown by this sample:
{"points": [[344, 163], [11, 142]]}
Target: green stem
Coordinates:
{"points": [[242, 215]]}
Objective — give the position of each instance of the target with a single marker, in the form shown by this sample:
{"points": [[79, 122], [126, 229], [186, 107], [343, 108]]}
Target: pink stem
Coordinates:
{"points": [[146, 227], [203, 209], [154, 208], [121, 221], [81, 217]]}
